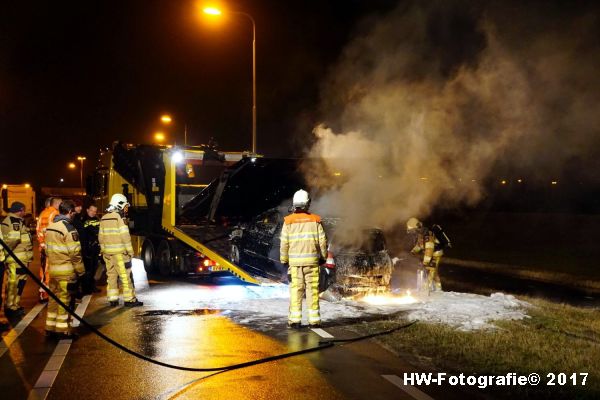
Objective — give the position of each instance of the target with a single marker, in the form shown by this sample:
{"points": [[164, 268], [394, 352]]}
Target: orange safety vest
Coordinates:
{"points": [[46, 218]]}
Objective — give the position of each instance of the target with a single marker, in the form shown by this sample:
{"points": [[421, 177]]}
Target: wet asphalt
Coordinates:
{"points": [[168, 328]]}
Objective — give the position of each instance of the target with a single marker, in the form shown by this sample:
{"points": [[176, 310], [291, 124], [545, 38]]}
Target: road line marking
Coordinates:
{"points": [[48, 376], [322, 333], [14, 333], [409, 389]]}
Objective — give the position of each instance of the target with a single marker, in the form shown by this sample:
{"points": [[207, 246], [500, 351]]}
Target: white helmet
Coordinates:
{"points": [[413, 224], [118, 201], [301, 199]]}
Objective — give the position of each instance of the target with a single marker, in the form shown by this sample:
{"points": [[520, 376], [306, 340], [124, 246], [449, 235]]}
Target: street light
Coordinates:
{"points": [[81, 159], [216, 12], [159, 137], [166, 119]]}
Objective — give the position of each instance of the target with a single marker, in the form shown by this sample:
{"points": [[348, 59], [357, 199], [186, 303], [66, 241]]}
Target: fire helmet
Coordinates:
{"points": [[118, 201], [301, 199], [413, 224]]}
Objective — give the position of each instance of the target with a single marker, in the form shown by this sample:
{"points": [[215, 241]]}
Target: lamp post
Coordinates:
{"points": [[216, 11], [81, 159]]}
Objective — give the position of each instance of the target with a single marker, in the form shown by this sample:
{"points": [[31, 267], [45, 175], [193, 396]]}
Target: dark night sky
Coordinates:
{"points": [[77, 75]]}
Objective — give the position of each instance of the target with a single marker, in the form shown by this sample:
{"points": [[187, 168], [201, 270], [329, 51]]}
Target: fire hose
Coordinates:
{"points": [[322, 344]]}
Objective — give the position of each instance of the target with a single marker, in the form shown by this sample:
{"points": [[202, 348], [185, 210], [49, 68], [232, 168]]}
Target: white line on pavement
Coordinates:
{"points": [[14, 333], [409, 389], [46, 380], [322, 333]]}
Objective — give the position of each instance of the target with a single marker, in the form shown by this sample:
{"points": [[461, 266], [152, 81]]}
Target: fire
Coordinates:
{"points": [[380, 300]]}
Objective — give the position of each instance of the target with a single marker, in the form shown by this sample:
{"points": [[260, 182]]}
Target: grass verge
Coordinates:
{"points": [[557, 338]]}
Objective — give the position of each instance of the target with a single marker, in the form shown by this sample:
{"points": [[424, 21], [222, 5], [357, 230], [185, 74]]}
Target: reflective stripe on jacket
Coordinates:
{"points": [[303, 240], [17, 237], [113, 235], [63, 249], [426, 243]]}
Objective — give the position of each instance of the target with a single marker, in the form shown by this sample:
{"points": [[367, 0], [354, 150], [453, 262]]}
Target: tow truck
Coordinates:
{"points": [[158, 180]]}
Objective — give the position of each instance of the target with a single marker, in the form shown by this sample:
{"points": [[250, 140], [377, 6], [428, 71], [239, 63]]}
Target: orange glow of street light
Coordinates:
{"points": [[159, 137], [72, 165], [211, 11], [166, 119]]}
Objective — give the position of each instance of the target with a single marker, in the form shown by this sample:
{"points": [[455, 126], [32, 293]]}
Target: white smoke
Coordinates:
{"points": [[411, 135]]}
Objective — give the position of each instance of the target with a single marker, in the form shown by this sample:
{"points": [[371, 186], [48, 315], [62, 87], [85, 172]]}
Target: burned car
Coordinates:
{"points": [[350, 270]]}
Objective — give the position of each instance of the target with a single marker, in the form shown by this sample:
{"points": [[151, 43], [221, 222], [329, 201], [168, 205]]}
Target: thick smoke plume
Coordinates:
{"points": [[427, 101]]}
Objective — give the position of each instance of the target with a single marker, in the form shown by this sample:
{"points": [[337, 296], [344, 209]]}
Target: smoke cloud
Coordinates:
{"points": [[426, 102]]}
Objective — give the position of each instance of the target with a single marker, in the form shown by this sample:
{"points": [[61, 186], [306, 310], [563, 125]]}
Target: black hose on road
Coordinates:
{"points": [[322, 345]]}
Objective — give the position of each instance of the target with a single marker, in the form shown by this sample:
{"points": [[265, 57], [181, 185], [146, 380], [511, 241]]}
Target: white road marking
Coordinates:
{"points": [[46, 380], [322, 333], [409, 389], [14, 333]]}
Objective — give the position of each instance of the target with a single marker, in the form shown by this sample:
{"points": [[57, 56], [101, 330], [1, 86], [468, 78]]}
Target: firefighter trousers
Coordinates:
{"points": [[304, 279], [433, 276], [116, 271], [3, 319], [15, 283], [57, 318]]}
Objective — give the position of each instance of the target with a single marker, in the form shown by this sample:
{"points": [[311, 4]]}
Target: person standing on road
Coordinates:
{"points": [[303, 245], [117, 252], [64, 267], [4, 324], [17, 237], [427, 244], [90, 248], [46, 217]]}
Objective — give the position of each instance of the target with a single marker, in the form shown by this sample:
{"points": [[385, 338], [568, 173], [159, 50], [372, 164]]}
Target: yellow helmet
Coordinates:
{"points": [[413, 224]]}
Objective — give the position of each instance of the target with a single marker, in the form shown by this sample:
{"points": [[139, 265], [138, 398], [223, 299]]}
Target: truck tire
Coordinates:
{"points": [[149, 256], [164, 258]]}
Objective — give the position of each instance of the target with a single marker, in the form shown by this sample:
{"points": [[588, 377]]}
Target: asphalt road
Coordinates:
{"points": [[169, 329]]}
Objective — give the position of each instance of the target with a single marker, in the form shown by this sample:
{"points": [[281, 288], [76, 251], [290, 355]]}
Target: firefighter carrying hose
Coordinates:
{"points": [[430, 246], [16, 236], [117, 251], [64, 268], [303, 245]]}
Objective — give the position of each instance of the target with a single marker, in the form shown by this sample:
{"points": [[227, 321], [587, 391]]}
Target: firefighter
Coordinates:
{"points": [[90, 248], [46, 217], [3, 321], [117, 251], [303, 245], [17, 237], [64, 268], [427, 244]]}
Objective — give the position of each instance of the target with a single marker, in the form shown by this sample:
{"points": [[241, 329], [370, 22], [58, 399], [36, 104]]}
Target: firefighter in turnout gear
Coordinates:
{"points": [[17, 237], [427, 244], [46, 218], [64, 268], [303, 245], [3, 320], [117, 251]]}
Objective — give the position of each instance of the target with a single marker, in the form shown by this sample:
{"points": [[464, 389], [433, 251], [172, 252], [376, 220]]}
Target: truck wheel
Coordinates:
{"points": [[164, 258], [148, 256]]}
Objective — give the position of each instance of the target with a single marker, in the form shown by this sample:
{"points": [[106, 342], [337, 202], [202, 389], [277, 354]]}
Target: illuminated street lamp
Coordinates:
{"points": [[81, 159], [72, 165], [159, 137], [216, 12], [166, 119]]}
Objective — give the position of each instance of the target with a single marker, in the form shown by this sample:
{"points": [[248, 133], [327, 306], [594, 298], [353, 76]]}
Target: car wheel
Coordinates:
{"points": [[148, 256], [164, 258], [234, 254]]}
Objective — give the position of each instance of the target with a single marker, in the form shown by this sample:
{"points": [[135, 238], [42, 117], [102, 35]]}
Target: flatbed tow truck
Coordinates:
{"points": [[158, 180]]}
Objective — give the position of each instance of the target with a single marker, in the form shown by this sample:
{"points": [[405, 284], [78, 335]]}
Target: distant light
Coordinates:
{"points": [[337, 173], [166, 119], [423, 178], [555, 182], [72, 165], [81, 158], [520, 180], [253, 159], [5, 186], [177, 157], [159, 137], [27, 185], [503, 182], [62, 180], [212, 11]]}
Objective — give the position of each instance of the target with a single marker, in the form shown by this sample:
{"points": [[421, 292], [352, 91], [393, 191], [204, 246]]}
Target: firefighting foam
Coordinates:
{"points": [[408, 126]]}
